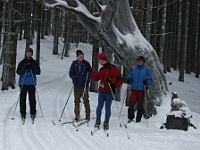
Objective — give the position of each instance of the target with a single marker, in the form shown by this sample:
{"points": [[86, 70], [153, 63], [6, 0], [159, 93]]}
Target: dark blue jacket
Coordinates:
{"points": [[28, 76], [81, 71], [137, 75]]}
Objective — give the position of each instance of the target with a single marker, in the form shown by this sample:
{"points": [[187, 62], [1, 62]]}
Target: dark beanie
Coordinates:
{"points": [[103, 56], [78, 52], [141, 58], [29, 50]]}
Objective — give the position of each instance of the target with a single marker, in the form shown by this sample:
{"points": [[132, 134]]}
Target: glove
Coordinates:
{"points": [[108, 79], [89, 69], [75, 77], [128, 81], [29, 66], [145, 82]]}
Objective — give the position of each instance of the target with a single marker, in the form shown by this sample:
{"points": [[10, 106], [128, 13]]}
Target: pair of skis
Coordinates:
{"points": [[64, 123], [80, 122]]}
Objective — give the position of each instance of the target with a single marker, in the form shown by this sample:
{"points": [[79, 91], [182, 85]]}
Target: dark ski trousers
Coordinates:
{"points": [[104, 97], [30, 89], [78, 93], [136, 96]]}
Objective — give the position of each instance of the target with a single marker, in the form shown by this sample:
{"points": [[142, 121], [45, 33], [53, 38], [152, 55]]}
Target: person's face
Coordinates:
{"points": [[80, 57], [28, 55], [140, 62], [102, 62]]}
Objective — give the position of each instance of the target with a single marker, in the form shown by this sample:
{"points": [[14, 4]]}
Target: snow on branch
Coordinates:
{"points": [[76, 7]]}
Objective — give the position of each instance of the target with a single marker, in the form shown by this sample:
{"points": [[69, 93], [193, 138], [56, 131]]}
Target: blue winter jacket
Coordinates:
{"points": [[138, 75], [28, 76], [80, 70]]}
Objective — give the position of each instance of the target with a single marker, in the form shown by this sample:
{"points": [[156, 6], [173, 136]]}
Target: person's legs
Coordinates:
{"points": [[131, 109], [108, 104], [99, 108], [23, 100], [86, 103], [140, 108], [32, 100], [77, 97]]}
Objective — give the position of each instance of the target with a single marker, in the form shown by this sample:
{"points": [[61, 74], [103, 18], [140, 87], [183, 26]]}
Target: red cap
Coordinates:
{"points": [[102, 56]]}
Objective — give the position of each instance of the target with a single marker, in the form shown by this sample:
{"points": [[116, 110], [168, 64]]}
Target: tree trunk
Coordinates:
{"points": [[3, 30], [169, 37], [28, 23], [43, 20], [9, 62], [148, 19], [48, 23], [56, 29], [176, 35], [1, 16], [95, 65], [33, 24], [190, 40], [21, 23], [198, 47], [68, 30], [155, 15], [183, 40], [38, 33]]}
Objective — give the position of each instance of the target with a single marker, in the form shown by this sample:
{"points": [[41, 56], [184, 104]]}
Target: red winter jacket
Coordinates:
{"points": [[107, 71]]}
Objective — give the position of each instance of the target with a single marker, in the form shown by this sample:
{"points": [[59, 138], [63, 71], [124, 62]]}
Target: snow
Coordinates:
{"points": [[53, 90]]}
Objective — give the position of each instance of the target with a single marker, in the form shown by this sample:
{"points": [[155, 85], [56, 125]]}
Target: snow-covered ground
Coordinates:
{"points": [[53, 89]]}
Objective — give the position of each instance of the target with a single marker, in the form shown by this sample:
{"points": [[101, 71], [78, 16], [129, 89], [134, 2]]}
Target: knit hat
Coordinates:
{"points": [[29, 50], [78, 52], [103, 56], [141, 58]]}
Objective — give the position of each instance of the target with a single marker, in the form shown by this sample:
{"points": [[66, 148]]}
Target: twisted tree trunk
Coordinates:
{"points": [[116, 29]]}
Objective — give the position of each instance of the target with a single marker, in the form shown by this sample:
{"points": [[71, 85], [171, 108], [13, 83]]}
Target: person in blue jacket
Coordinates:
{"points": [[139, 78], [79, 75], [27, 70]]}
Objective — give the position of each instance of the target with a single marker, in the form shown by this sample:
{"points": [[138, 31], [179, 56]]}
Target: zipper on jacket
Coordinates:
{"points": [[138, 78]]}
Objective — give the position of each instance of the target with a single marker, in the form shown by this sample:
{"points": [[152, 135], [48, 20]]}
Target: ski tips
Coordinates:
{"points": [[53, 122], [92, 133], [73, 124]]}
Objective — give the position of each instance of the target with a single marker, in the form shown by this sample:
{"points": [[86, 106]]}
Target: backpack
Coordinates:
{"points": [[119, 79]]}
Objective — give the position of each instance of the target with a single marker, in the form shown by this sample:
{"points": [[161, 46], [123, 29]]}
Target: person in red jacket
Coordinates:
{"points": [[107, 76]]}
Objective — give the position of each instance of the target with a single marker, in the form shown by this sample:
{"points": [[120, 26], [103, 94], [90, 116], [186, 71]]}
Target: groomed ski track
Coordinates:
{"points": [[43, 135]]}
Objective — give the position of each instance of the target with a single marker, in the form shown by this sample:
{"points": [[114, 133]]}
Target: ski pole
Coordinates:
{"points": [[19, 96], [113, 97], [36, 93], [114, 100], [66, 102], [118, 111], [125, 95], [145, 104]]}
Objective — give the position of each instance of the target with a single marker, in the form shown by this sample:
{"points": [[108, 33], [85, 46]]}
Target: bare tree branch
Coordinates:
{"points": [[97, 6]]}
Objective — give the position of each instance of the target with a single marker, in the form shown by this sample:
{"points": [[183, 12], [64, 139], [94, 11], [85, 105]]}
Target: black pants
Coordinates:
{"points": [[131, 111], [32, 101]]}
